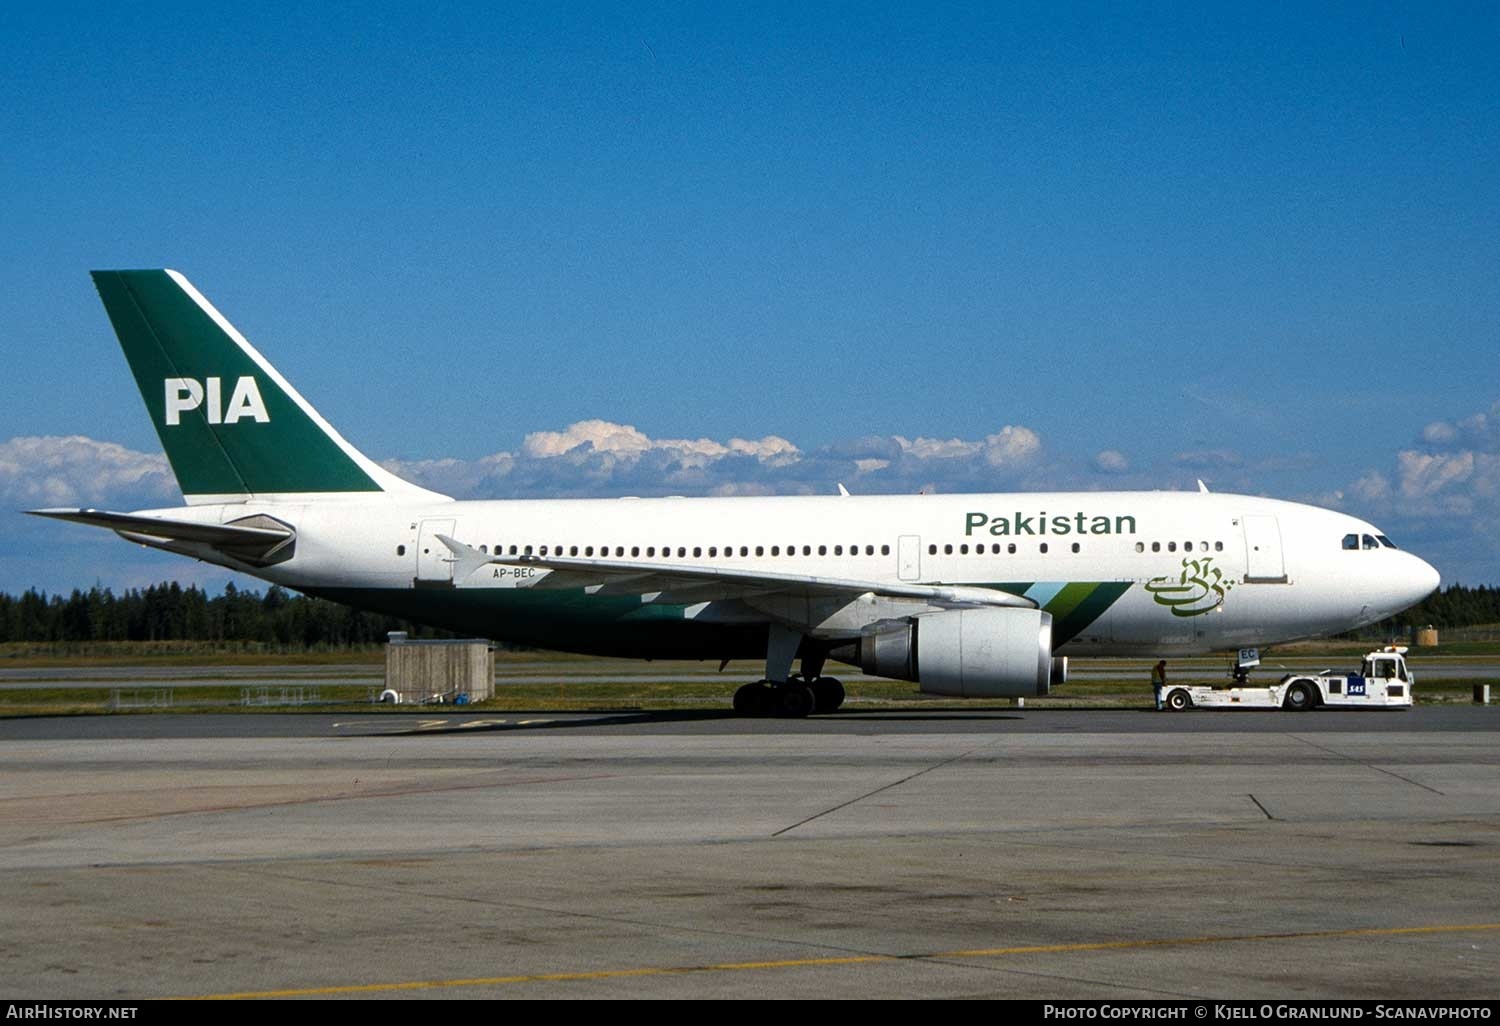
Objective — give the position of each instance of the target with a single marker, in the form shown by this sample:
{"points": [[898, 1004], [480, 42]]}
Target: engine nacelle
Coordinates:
{"points": [[964, 653]]}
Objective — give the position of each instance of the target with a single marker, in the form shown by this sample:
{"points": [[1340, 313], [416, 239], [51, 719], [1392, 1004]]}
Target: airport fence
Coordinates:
{"points": [[140, 698], [267, 695]]}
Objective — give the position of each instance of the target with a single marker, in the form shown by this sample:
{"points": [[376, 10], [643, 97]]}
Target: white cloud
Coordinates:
{"points": [[1111, 461], [1439, 433], [1011, 446], [937, 448], [1425, 474], [1477, 432], [74, 470], [1373, 487], [771, 447], [601, 435], [1208, 459], [1443, 495], [601, 458]]}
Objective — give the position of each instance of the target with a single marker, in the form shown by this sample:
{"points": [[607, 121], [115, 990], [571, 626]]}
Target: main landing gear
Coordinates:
{"points": [[783, 693], [794, 698]]}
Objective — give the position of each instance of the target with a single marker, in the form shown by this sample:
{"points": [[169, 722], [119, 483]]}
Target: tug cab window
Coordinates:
{"points": [[1381, 669]]}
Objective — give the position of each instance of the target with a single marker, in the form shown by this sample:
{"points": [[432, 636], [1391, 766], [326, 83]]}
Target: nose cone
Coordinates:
{"points": [[1426, 579], [1416, 580]]}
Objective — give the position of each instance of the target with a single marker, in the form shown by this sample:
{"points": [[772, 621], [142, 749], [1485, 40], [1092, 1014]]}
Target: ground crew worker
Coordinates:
{"points": [[1158, 680]]}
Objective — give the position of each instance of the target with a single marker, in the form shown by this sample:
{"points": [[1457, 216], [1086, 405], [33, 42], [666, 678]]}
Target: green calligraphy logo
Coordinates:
{"points": [[1200, 588]]}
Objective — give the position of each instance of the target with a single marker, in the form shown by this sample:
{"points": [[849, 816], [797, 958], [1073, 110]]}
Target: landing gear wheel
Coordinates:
{"points": [[1179, 700], [1300, 697], [753, 700], [828, 694], [794, 700]]}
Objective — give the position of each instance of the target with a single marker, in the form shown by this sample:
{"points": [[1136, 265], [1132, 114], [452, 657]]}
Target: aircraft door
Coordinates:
{"points": [[1263, 559], [909, 557], [434, 561]]}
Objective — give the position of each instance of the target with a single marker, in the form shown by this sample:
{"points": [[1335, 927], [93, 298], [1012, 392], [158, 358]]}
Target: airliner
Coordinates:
{"points": [[974, 596]]}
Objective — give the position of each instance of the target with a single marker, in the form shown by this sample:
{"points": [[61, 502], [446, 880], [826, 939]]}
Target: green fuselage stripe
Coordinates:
{"points": [[572, 621]]}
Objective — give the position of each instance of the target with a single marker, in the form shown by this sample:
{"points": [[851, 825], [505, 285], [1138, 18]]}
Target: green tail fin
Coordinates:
{"points": [[231, 426]]}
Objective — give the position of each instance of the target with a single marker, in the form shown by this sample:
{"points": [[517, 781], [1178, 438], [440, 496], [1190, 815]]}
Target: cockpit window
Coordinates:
{"points": [[1351, 541], [1386, 541], [1370, 543]]}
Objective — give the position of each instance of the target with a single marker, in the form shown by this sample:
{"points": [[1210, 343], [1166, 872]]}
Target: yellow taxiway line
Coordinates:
{"points": [[836, 960]]}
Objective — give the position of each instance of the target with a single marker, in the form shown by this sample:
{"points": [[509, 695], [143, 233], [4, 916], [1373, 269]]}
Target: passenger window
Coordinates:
{"points": [[745, 550], [635, 551], [681, 552], [1171, 546], [838, 550], [651, 551], [761, 551], [400, 550], [1156, 546], [1140, 546], [713, 550], [1042, 548], [1187, 546], [572, 550], [963, 550], [1075, 546], [513, 550], [1218, 546], [822, 550], [807, 550], [775, 550], [947, 550], [869, 550], [1011, 548], [885, 550], [932, 550]]}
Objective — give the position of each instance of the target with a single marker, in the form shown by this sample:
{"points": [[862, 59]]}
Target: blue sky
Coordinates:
{"points": [[989, 247]]}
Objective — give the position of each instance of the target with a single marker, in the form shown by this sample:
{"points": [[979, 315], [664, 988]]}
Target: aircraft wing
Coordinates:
{"points": [[705, 583]]}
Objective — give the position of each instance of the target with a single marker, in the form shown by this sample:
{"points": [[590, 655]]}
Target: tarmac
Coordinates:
{"points": [[1013, 854]]}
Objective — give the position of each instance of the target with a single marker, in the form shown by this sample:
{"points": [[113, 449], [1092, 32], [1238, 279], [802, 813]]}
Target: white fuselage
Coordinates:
{"points": [[1124, 573]]}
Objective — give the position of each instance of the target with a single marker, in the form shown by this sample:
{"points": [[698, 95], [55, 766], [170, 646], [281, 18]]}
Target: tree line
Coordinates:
{"points": [[1457, 605], [170, 612]]}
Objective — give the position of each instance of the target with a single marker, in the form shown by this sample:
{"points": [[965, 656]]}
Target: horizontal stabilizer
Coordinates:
{"points": [[266, 536]]}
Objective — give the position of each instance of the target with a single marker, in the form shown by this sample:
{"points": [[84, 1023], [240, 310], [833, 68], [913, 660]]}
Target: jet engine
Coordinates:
{"points": [[963, 653]]}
